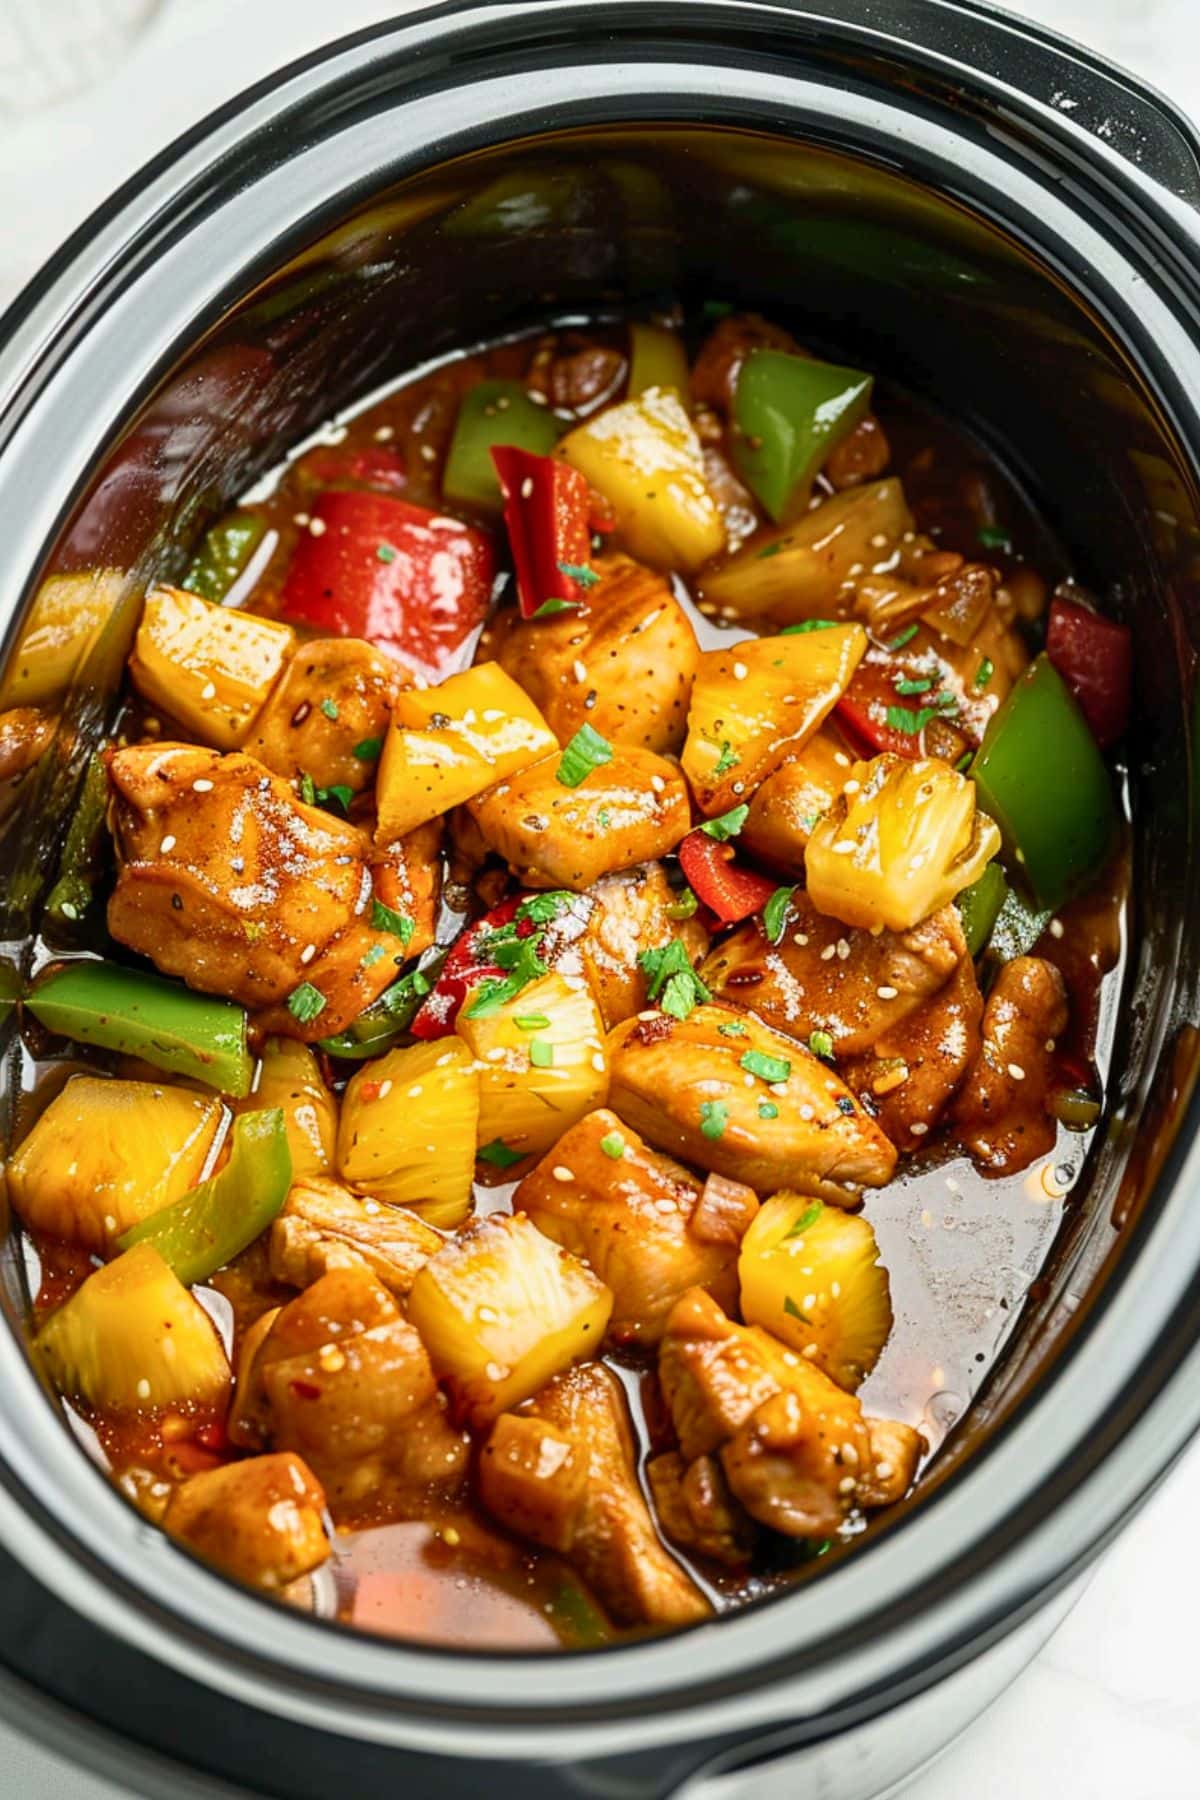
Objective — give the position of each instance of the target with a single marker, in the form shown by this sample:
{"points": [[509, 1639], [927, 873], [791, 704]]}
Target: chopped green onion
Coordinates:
{"points": [[775, 914], [541, 1054], [586, 751], [767, 1109], [984, 672], [727, 760], [306, 1002], [770, 549], [531, 1021], [728, 825], [995, 537], [768, 1068], [373, 956], [910, 686], [613, 1144], [714, 1116], [499, 1154], [732, 1028], [793, 1311], [807, 625], [384, 918], [821, 1044], [580, 572], [548, 608], [385, 553], [902, 637], [367, 749], [808, 1217], [329, 708]]}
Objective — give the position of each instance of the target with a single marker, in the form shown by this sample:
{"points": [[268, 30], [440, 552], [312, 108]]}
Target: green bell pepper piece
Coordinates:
{"points": [[494, 412], [383, 1021], [979, 904], [577, 1618], [789, 412], [1041, 777], [82, 860], [144, 1015], [223, 554], [212, 1224], [1017, 929]]}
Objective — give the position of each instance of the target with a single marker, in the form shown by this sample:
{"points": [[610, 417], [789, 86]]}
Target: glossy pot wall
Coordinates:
{"points": [[1007, 227]]}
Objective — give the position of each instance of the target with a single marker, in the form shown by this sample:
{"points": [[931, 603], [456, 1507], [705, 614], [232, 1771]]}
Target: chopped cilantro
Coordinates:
{"points": [[541, 1054], [308, 789], [498, 1154], [523, 965], [540, 909], [767, 1109], [768, 1068], [900, 718], [775, 914], [306, 1003], [604, 818], [367, 749], [807, 625], [727, 760], [728, 825], [384, 918], [329, 708], [548, 608], [821, 1044], [714, 1116], [902, 637], [586, 751], [613, 1144], [585, 575], [995, 537], [793, 1311], [984, 672], [671, 979], [681, 995], [373, 955], [312, 795], [772, 549]]}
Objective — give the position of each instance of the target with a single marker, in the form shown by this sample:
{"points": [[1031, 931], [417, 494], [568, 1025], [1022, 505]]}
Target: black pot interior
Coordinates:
{"points": [[855, 259]]}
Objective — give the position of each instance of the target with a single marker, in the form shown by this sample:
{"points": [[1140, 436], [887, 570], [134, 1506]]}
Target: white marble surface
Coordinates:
{"points": [[1111, 1708]]}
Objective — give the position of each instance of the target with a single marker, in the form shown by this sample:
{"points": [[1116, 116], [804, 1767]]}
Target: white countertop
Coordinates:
{"points": [[1110, 1710]]}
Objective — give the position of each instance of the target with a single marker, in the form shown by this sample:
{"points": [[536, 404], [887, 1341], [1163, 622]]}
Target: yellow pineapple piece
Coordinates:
{"points": [[133, 1339], [209, 666], [408, 1130], [758, 700], [811, 1275], [290, 1078], [446, 744], [542, 1064], [501, 1309], [106, 1154]]}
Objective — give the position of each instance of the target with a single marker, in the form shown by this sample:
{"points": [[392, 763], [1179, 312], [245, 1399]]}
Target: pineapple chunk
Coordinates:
{"points": [[448, 743], [133, 1339], [811, 1275], [207, 665], [67, 616], [408, 1130], [501, 1310], [901, 840], [805, 570], [106, 1154], [542, 1063], [290, 1078], [645, 459], [757, 700]]}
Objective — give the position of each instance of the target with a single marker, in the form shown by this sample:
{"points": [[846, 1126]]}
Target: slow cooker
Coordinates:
{"points": [[1008, 226]]}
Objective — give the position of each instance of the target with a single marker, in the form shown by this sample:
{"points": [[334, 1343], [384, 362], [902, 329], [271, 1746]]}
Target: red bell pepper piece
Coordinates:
{"points": [[1094, 656], [346, 466], [410, 581], [725, 886], [547, 510], [461, 971]]}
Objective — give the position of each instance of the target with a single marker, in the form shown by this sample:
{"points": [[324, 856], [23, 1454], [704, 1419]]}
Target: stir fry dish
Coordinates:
{"points": [[578, 844]]}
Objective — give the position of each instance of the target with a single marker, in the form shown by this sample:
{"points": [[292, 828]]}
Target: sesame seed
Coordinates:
{"points": [[844, 847], [919, 1129], [527, 488], [579, 670], [317, 527], [562, 1173], [841, 759], [1016, 1071], [847, 1485], [809, 1352], [657, 783], [883, 1470], [428, 453], [740, 671], [778, 1088], [383, 434], [850, 1456], [202, 786], [1055, 928], [829, 952], [300, 519], [143, 1389], [308, 952], [598, 1063], [852, 787], [167, 845], [887, 993], [209, 691], [953, 1185], [801, 938], [843, 949]]}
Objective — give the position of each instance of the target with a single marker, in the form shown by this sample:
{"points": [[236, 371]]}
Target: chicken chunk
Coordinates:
{"points": [[575, 376], [260, 1521], [562, 1472], [726, 1093], [627, 1212], [918, 1066], [227, 880], [697, 1510], [785, 808], [824, 976], [344, 1381], [894, 1451], [631, 913], [622, 663], [629, 810], [795, 1448], [1001, 1115], [324, 1226], [329, 709]]}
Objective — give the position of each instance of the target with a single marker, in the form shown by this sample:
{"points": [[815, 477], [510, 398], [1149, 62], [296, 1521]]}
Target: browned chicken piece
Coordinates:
{"points": [[631, 913], [628, 811], [1001, 1115], [697, 1511], [260, 1521], [735, 503], [825, 976], [576, 378], [894, 1450], [333, 697], [627, 1212], [226, 879], [563, 1472], [324, 1226], [343, 1379], [685, 1084], [407, 877], [918, 1066], [622, 663], [794, 1446], [787, 805], [861, 456], [25, 731]]}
